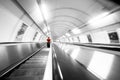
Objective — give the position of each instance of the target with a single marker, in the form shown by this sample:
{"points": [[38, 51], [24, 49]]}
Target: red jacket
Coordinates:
{"points": [[48, 40]]}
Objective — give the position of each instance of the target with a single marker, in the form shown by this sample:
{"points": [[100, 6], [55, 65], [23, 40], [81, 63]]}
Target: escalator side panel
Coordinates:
{"points": [[33, 70], [12, 54]]}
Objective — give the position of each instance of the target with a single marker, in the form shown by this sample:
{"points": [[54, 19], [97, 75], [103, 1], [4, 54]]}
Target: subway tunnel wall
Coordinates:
{"points": [[17, 26], [101, 34], [108, 31]]}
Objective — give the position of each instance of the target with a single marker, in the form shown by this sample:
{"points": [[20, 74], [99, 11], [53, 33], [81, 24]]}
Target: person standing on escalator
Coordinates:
{"points": [[48, 42]]}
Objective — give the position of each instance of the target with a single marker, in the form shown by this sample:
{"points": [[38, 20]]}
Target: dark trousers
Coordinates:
{"points": [[48, 44]]}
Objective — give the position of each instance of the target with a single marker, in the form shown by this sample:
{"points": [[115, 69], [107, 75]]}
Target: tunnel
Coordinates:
{"points": [[59, 40]]}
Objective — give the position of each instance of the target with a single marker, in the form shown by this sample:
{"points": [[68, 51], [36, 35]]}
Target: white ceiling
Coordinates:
{"points": [[69, 14]]}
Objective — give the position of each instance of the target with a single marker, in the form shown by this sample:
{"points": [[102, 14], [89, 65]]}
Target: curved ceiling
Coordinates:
{"points": [[69, 14], [65, 15]]}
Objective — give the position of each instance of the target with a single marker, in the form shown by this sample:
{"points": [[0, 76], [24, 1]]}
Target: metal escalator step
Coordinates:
{"points": [[40, 57], [42, 52], [45, 59], [44, 63], [26, 78], [32, 69], [25, 66], [36, 61], [28, 72]]}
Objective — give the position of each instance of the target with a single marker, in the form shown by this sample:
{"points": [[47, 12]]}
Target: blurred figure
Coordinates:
{"points": [[48, 42]]}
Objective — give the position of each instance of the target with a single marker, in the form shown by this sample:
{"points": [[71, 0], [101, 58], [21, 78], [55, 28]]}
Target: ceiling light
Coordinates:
{"points": [[45, 11], [98, 18], [67, 34], [75, 31], [45, 29]]}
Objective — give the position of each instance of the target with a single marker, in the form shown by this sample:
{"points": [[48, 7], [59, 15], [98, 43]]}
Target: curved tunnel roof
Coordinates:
{"points": [[66, 15], [69, 14]]}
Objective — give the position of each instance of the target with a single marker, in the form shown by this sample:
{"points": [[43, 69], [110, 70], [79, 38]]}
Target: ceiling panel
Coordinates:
{"points": [[65, 15], [69, 14]]}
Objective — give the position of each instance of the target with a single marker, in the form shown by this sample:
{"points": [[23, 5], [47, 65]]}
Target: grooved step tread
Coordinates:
{"points": [[26, 78], [32, 69], [28, 72], [36, 61], [25, 66], [39, 58]]}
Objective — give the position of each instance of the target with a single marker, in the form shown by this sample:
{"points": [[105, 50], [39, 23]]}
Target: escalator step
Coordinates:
{"points": [[28, 72], [32, 69], [25, 66], [26, 78]]}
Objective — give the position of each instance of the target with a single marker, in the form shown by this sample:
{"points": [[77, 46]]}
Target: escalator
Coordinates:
{"points": [[31, 69]]}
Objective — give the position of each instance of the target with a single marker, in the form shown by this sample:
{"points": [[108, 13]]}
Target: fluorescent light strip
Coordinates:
{"points": [[60, 71]]}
